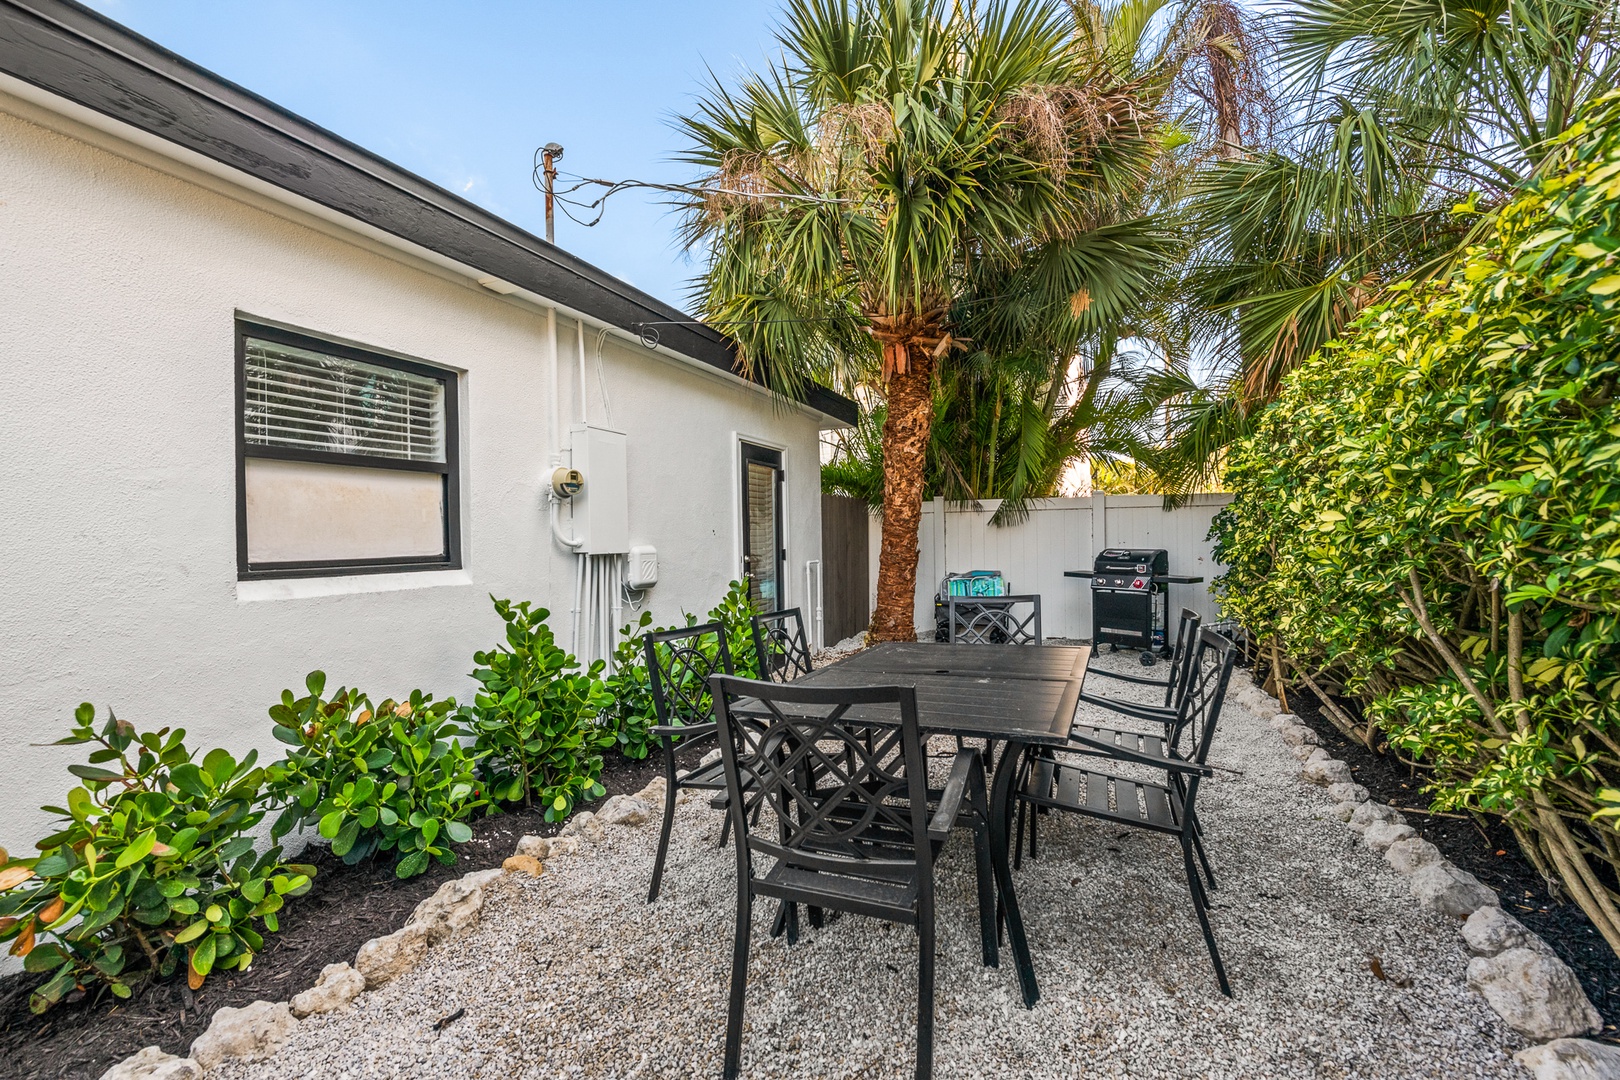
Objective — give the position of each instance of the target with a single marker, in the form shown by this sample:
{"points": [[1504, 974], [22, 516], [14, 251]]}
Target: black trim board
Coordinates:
{"points": [[73, 52]]}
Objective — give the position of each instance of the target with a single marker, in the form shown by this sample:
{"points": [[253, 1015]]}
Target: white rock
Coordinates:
{"points": [[535, 847], [1443, 888], [151, 1063], [624, 810], [1325, 770], [1490, 930], [653, 794], [1277, 723], [710, 758], [251, 1033], [1300, 735], [1345, 810], [1372, 813], [1572, 1059], [1535, 993], [454, 907], [1380, 835], [390, 956], [584, 825], [1350, 793], [1305, 751], [338, 985], [564, 845], [1411, 855]]}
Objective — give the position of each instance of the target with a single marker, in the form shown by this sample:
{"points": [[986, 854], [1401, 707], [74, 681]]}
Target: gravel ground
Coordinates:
{"points": [[573, 975]]}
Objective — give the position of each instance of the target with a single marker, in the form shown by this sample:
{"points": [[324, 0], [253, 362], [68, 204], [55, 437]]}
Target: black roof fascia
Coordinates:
{"points": [[73, 52]]}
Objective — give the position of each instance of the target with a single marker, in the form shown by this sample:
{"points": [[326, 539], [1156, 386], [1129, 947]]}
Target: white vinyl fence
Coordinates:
{"points": [[1059, 535]]}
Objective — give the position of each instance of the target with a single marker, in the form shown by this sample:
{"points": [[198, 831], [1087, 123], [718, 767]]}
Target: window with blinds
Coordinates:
{"points": [[346, 459], [316, 401]]}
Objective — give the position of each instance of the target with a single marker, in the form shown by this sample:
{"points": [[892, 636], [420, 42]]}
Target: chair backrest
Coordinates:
{"points": [[1200, 708], [842, 771], [780, 644], [679, 663], [1181, 661], [1004, 620]]}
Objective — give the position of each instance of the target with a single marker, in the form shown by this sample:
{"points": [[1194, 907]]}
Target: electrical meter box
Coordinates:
{"points": [[602, 507]]}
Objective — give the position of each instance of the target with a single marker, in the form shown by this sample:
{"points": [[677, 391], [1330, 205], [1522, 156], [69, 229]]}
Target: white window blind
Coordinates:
{"points": [[310, 400]]}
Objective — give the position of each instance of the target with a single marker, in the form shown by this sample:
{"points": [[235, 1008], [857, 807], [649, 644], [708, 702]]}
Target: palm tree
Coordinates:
{"points": [[899, 152], [1412, 120]]}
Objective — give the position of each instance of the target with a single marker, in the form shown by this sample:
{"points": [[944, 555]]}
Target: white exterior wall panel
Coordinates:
{"points": [[1059, 535], [119, 287]]}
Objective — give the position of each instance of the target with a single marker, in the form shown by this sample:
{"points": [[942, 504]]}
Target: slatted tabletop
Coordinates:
{"points": [[1024, 693]]}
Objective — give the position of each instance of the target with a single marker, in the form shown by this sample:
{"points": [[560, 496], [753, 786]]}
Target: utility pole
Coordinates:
{"points": [[550, 154]]}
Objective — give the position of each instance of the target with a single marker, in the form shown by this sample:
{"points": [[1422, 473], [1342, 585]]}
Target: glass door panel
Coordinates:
{"points": [[763, 553]]}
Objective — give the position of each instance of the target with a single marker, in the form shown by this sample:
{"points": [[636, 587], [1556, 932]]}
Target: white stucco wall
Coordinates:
{"points": [[119, 286]]}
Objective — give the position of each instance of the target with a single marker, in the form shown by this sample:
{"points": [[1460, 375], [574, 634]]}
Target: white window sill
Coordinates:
{"points": [[252, 592]]}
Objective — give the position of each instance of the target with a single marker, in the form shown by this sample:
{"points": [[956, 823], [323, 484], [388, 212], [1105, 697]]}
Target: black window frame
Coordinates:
{"points": [[449, 469]]}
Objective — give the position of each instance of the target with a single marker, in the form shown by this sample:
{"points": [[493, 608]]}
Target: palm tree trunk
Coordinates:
{"points": [[905, 451]]}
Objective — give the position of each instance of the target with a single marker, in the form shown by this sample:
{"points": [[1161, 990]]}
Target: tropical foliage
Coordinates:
{"points": [[394, 777], [1397, 114], [908, 176], [1430, 517], [153, 868], [535, 720]]}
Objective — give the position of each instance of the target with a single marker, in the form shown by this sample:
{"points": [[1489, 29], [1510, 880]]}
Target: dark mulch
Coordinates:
{"points": [[1484, 847], [345, 907]]}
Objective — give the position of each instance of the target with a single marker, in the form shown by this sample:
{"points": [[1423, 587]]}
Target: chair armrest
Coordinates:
{"points": [[680, 730], [1157, 713], [1121, 676], [950, 799], [1119, 753]]}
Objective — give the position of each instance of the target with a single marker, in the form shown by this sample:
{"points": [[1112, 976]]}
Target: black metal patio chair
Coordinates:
{"points": [[851, 824], [995, 620], [1070, 779], [679, 663], [1174, 684], [780, 644]]}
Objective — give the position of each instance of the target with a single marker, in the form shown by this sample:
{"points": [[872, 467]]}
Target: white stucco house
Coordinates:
{"points": [[272, 403]]}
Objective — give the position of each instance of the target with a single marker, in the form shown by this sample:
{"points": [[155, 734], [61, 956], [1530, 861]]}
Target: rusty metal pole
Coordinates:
{"points": [[550, 154]]}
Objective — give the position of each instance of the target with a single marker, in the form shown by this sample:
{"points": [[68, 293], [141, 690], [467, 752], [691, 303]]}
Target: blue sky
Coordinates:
{"points": [[462, 93]]}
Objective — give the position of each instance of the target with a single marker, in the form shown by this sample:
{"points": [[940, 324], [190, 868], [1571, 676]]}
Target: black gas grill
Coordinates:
{"points": [[1127, 606], [1129, 589]]}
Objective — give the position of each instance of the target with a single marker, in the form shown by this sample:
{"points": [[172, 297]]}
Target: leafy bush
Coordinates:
{"points": [[735, 612], [152, 867], [394, 778], [1430, 516], [535, 720], [631, 715]]}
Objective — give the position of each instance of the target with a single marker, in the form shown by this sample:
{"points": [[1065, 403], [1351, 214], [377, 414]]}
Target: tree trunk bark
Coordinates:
{"points": [[905, 452]]}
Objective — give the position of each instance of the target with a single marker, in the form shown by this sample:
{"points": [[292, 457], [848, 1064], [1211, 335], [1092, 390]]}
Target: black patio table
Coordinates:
{"points": [[1023, 695]]}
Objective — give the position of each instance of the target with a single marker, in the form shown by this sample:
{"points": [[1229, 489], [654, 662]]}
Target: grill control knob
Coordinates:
{"points": [[1138, 584]]}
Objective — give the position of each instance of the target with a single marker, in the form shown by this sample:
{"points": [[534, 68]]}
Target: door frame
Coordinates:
{"points": [[774, 456]]}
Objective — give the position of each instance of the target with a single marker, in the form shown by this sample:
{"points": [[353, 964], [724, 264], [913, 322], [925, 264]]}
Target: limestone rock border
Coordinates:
{"points": [[257, 1031], [1517, 973]]}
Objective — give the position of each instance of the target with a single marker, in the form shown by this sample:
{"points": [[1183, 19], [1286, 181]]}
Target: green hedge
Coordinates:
{"points": [[1430, 518]]}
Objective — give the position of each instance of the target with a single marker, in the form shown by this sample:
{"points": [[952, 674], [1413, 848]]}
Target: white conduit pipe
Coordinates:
{"points": [[812, 595]]}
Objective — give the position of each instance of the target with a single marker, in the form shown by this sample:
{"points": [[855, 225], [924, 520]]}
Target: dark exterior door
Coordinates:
{"points": [[764, 555]]}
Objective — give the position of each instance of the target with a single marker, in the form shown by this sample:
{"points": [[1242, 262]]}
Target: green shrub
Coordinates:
{"points": [[535, 720], [631, 714], [152, 868], [1430, 515], [735, 612], [394, 778]]}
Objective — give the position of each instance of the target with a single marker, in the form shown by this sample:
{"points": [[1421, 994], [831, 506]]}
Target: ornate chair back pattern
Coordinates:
{"points": [[780, 644], [849, 797], [679, 663], [1006, 620]]}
